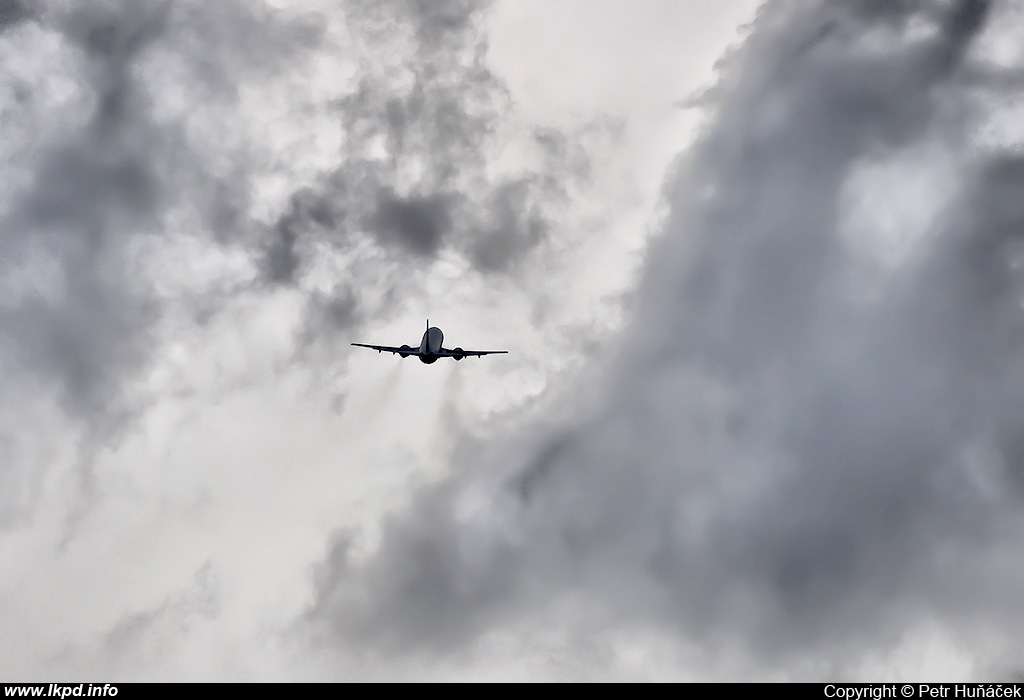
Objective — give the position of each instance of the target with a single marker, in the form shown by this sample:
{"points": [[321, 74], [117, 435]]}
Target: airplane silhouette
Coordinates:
{"points": [[430, 348]]}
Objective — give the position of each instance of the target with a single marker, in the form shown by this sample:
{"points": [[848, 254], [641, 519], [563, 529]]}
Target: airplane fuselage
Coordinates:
{"points": [[430, 345]]}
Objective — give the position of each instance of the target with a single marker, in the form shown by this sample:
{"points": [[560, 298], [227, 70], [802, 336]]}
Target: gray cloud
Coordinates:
{"points": [[98, 172], [13, 12], [91, 191], [148, 219], [101, 189], [806, 451], [421, 125], [517, 214], [148, 149], [421, 223]]}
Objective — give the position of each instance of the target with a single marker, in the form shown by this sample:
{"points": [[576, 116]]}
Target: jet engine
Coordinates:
{"points": [[405, 351], [457, 354]]}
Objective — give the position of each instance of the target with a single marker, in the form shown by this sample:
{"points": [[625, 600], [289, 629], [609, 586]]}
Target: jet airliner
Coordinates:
{"points": [[430, 348]]}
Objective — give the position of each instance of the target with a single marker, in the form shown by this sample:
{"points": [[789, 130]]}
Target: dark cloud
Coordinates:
{"points": [[153, 150], [13, 12], [804, 451], [437, 604], [104, 187], [101, 171], [512, 226], [418, 223], [91, 191], [305, 209], [421, 125]]}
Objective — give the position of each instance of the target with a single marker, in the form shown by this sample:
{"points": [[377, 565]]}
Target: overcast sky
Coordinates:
{"points": [[757, 267]]}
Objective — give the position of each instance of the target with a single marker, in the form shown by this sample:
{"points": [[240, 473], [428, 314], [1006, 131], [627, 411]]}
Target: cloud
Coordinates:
{"points": [[423, 130], [108, 168], [132, 154], [203, 201], [106, 174], [89, 191], [12, 12], [419, 222], [809, 447]]}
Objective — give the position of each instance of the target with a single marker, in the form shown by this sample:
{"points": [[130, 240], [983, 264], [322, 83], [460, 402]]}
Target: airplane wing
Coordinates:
{"points": [[388, 348], [445, 352]]}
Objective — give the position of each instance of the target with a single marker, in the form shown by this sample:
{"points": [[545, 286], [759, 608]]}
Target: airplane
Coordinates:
{"points": [[430, 348]]}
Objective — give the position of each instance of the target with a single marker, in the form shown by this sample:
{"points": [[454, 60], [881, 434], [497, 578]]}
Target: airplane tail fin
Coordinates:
{"points": [[428, 324]]}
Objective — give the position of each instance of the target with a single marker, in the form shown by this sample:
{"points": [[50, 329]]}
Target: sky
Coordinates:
{"points": [[757, 266]]}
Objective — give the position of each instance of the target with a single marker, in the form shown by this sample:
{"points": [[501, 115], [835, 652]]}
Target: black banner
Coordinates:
{"points": [[832, 691]]}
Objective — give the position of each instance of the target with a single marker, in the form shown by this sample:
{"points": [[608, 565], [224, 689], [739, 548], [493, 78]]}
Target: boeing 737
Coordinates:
{"points": [[430, 348]]}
